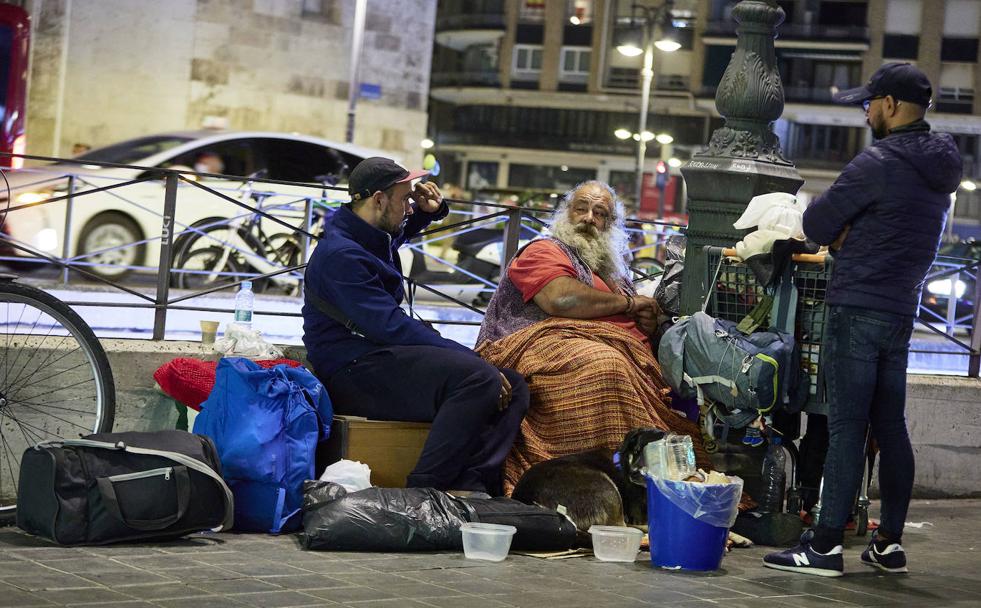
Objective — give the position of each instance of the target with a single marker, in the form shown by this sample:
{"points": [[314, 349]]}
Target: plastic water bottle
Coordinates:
{"points": [[244, 303], [670, 458], [774, 477]]}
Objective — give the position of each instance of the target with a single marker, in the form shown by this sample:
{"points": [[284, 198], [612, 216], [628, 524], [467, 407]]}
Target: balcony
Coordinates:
{"points": [[481, 78], [799, 31], [629, 79]]}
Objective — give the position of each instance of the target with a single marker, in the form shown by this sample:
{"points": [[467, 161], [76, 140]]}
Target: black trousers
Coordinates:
{"points": [[456, 392]]}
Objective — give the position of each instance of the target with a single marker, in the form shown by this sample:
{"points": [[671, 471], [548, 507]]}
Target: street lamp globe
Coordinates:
{"points": [[629, 50], [623, 133], [674, 162], [969, 185], [664, 138], [426, 143], [648, 136]]}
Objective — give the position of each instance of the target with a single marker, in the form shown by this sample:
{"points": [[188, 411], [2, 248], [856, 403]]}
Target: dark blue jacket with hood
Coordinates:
{"points": [[895, 196]]}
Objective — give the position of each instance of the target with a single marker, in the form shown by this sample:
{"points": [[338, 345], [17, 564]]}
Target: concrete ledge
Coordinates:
{"points": [[943, 413]]}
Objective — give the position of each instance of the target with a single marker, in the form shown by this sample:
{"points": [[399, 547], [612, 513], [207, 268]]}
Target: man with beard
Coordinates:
{"points": [[566, 316], [378, 362], [885, 215]]}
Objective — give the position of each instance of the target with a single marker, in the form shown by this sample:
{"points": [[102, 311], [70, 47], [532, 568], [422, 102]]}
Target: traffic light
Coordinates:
{"points": [[661, 179]]}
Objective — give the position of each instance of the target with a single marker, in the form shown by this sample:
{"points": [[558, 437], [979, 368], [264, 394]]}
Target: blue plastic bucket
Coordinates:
{"points": [[677, 539]]}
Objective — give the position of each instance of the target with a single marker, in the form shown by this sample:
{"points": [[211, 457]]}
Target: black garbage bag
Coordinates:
{"points": [[380, 519], [420, 519], [668, 291]]}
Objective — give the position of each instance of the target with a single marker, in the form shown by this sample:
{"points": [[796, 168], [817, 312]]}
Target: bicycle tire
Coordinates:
{"points": [[16, 409]]}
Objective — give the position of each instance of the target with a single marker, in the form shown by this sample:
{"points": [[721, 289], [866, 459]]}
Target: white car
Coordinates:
{"points": [[103, 225]]}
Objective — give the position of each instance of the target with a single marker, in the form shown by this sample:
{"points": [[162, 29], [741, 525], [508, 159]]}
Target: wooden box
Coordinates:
{"points": [[390, 449]]}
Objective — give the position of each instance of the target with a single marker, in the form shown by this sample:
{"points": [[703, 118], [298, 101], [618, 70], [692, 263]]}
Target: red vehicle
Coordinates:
{"points": [[14, 46]]}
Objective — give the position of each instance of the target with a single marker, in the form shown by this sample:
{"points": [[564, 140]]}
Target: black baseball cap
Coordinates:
{"points": [[378, 173], [903, 81]]}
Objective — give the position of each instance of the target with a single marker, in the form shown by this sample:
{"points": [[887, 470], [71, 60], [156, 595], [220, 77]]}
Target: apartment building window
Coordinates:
{"points": [[527, 61], [964, 50], [574, 64], [900, 46], [579, 12], [824, 145], [956, 100]]}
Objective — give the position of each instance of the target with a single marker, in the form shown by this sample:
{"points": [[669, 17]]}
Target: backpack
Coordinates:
{"points": [[743, 375], [266, 424]]}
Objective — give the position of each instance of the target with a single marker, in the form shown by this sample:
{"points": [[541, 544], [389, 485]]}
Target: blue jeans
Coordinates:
{"points": [[865, 357]]}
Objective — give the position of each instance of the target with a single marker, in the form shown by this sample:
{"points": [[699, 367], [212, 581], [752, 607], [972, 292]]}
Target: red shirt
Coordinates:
{"points": [[542, 262]]}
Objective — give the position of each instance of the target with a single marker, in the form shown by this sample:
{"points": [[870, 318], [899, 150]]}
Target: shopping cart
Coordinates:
{"points": [[794, 303]]}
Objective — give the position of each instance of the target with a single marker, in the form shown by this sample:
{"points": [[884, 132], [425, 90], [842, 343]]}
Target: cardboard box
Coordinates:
{"points": [[390, 449]]}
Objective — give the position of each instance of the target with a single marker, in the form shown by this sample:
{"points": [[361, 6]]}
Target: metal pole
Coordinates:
{"points": [[308, 227], [974, 363], [354, 83], [166, 253], [645, 98], [512, 232], [66, 245]]}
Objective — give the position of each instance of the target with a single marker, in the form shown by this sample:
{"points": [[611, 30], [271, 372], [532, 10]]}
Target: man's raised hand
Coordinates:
{"points": [[427, 197]]}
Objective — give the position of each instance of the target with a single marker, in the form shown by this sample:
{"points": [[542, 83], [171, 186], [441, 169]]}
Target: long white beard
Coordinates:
{"points": [[596, 250]]}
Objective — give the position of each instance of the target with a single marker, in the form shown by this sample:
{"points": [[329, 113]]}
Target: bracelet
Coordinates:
{"points": [[630, 304]]}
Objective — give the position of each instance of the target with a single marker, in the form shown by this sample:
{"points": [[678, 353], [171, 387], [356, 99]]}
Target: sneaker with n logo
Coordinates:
{"points": [[804, 559], [891, 559]]}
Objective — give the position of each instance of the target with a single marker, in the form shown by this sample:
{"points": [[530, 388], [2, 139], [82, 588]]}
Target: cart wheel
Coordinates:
{"points": [[794, 501], [711, 445], [862, 521]]}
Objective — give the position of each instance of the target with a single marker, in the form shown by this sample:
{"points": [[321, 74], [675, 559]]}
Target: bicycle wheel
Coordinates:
{"points": [[207, 267], [55, 379]]}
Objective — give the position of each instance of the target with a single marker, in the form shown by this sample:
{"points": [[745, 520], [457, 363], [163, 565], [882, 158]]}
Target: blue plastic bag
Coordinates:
{"points": [[266, 424]]}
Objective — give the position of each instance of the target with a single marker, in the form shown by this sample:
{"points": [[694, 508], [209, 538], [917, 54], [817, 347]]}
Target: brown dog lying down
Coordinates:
{"points": [[599, 487]]}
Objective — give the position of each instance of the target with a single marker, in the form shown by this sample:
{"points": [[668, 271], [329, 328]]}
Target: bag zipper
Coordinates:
{"points": [[165, 471]]}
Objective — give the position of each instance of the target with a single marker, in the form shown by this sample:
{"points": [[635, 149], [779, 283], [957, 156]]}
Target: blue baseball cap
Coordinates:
{"points": [[902, 81]]}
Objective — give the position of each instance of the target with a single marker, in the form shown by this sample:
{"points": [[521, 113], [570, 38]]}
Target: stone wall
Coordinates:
{"points": [[107, 70]]}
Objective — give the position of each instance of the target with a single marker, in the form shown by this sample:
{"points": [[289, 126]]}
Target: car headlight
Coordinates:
{"points": [[944, 287], [27, 198], [46, 239]]}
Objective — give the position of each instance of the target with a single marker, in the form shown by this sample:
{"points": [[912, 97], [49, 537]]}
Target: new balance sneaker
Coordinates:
{"points": [[804, 559], [891, 559]]}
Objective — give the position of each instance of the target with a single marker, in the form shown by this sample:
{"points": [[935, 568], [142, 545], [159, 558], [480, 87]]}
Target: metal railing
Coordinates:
{"points": [[950, 310]]}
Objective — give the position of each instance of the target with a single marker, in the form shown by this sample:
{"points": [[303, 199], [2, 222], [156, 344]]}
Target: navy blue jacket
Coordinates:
{"points": [[356, 268], [895, 196]]}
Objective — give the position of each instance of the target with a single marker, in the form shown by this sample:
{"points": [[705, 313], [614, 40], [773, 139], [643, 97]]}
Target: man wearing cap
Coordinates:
{"points": [[884, 216], [378, 362]]}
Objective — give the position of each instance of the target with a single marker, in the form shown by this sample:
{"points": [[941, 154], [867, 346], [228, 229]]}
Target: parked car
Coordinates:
{"points": [[102, 223], [960, 286]]}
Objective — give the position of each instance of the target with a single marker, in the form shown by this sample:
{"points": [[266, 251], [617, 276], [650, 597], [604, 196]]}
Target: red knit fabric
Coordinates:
{"points": [[189, 381]]}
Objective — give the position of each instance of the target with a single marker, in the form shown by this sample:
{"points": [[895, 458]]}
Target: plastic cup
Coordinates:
{"points": [[486, 541], [209, 329]]}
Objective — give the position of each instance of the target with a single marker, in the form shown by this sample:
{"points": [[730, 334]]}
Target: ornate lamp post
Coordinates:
{"points": [[743, 158]]}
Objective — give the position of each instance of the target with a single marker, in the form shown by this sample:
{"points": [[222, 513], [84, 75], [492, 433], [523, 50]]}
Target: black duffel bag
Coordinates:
{"points": [[113, 487]]}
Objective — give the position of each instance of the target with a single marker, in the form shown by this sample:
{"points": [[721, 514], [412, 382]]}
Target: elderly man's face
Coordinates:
{"points": [[590, 211]]}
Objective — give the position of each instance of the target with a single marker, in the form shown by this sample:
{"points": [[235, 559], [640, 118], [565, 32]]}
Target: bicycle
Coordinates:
{"points": [[215, 247], [55, 378]]}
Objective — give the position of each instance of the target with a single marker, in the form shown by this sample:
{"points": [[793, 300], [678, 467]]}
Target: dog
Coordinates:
{"points": [[600, 487]]}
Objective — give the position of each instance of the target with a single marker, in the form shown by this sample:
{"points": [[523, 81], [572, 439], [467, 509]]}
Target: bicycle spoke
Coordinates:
{"points": [[54, 407], [39, 343], [63, 387], [23, 432], [19, 382], [10, 336], [46, 378], [42, 432], [55, 417]]}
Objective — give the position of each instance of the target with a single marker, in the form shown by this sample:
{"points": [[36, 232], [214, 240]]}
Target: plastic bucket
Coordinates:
{"points": [[677, 539]]}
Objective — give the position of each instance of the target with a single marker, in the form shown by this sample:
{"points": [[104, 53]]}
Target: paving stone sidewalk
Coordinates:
{"points": [[256, 570]]}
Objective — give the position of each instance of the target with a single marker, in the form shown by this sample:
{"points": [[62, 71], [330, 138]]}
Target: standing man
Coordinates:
{"points": [[884, 214], [378, 362]]}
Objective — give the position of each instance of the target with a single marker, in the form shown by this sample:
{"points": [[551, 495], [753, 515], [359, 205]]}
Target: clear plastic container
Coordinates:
{"points": [[615, 543], [244, 303], [490, 542], [670, 458]]}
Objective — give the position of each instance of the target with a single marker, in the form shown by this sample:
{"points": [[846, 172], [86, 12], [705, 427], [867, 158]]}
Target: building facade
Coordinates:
{"points": [[107, 70], [526, 95]]}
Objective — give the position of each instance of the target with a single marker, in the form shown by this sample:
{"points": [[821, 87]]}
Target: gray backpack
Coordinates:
{"points": [[744, 376]]}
